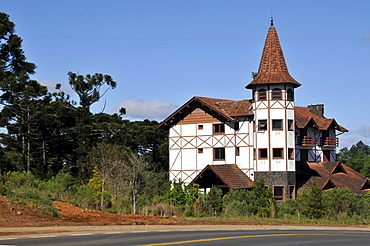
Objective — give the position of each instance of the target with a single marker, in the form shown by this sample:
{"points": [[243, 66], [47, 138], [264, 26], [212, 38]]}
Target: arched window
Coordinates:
{"points": [[276, 94], [290, 95], [261, 95]]}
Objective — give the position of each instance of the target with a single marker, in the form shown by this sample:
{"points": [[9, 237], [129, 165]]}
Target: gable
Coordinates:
{"points": [[337, 175], [228, 175], [329, 185], [366, 186], [339, 169], [197, 116]]}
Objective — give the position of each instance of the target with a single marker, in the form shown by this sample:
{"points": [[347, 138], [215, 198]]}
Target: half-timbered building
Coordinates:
{"points": [[229, 144]]}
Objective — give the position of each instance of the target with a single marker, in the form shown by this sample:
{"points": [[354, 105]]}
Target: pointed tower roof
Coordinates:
{"points": [[272, 69]]}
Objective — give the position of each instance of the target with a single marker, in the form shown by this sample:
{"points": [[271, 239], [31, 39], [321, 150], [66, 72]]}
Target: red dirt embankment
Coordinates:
{"points": [[22, 215]]}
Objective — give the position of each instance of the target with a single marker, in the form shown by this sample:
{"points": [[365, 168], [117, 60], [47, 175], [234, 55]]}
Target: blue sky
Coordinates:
{"points": [[163, 52]]}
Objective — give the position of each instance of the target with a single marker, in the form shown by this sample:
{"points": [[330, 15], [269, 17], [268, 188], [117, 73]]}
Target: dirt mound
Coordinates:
{"points": [[76, 214], [19, 215]]}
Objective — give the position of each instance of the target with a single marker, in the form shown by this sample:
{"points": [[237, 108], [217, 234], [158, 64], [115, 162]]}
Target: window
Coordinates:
{"points": [[290, 95], [277, 153], [237, 151], [262, 95], [291, 192], [290, 125], [218, 128], [200, 127], [262, 153], [200, 150], [219, 153], [291, 154], [276, 94], [279, 193], [277, 124], [262, 125]]}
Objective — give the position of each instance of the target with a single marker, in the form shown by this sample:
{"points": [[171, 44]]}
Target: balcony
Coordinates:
{"points": [[307, 140], [330, 142]]}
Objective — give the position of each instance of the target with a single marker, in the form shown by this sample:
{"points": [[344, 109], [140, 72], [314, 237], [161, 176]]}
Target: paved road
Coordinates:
{"points": [[199, 237]]}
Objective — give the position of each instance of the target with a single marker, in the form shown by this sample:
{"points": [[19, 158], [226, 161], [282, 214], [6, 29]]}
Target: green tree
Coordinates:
{"points": [[90, 88], [356, 157], [310, 202], [264, 203], [212, 203], [21, 96]]}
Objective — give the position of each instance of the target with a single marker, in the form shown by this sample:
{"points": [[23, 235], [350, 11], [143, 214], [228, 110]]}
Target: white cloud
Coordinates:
{"points": [[137, 108], [364, 131], [352, 137], [50, 84]]}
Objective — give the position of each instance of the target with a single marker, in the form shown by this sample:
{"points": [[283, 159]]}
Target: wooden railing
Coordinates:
{"points": [[307, 140], [330, 141]]}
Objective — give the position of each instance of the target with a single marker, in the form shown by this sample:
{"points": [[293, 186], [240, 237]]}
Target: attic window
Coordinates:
{"points": [[339, 169], [276, 94], [218, 128], [261, 95], [329, 185], [366, 186]]}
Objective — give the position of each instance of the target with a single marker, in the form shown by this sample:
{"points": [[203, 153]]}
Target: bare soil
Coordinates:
{"points": [[18, 216]]}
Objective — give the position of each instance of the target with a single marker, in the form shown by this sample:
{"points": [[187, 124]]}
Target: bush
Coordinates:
{"points": [[287, 208], [310, 202], [212, 204], [344, 204], [85, 196]]}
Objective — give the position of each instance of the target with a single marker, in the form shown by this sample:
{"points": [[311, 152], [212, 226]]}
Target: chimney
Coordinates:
{"points": [[317, 109]]}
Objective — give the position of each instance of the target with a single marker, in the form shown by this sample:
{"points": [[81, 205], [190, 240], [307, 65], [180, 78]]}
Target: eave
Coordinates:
{"points": [[206, 104]]}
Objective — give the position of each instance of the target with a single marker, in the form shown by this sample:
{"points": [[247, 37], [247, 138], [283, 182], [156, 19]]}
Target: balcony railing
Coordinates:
{"points": [[330, 142], [307, 140]]}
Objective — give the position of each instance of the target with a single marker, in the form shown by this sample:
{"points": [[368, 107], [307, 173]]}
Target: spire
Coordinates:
{"points": [[272, 69]]}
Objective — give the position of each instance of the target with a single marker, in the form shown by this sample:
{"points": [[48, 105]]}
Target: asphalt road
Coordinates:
{"points": [[200, 237]]}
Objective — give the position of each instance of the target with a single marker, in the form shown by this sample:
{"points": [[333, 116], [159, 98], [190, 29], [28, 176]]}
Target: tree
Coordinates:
{"points": [[356, 157], [263, 201], [213, 204], [108, 161], [88, 88], [311, 202], [21, 96], [137, 173]]}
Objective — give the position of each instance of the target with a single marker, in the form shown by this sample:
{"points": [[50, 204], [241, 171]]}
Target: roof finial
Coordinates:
{"points": [[272, 20]]}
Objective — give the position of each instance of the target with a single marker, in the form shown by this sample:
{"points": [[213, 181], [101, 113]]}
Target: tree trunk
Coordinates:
{"points": [[102, 195]]}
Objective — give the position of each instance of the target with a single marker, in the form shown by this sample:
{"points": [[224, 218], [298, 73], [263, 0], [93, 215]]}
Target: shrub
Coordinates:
{"points": [[310, 202]]}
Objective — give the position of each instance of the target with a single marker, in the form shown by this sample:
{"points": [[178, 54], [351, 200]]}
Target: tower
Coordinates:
{"points": [[273, 107]]}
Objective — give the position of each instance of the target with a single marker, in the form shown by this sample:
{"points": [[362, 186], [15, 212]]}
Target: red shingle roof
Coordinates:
{"points": [[272, 68], [229, 174], [226, 110], [336, 175], [305, 117]]}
